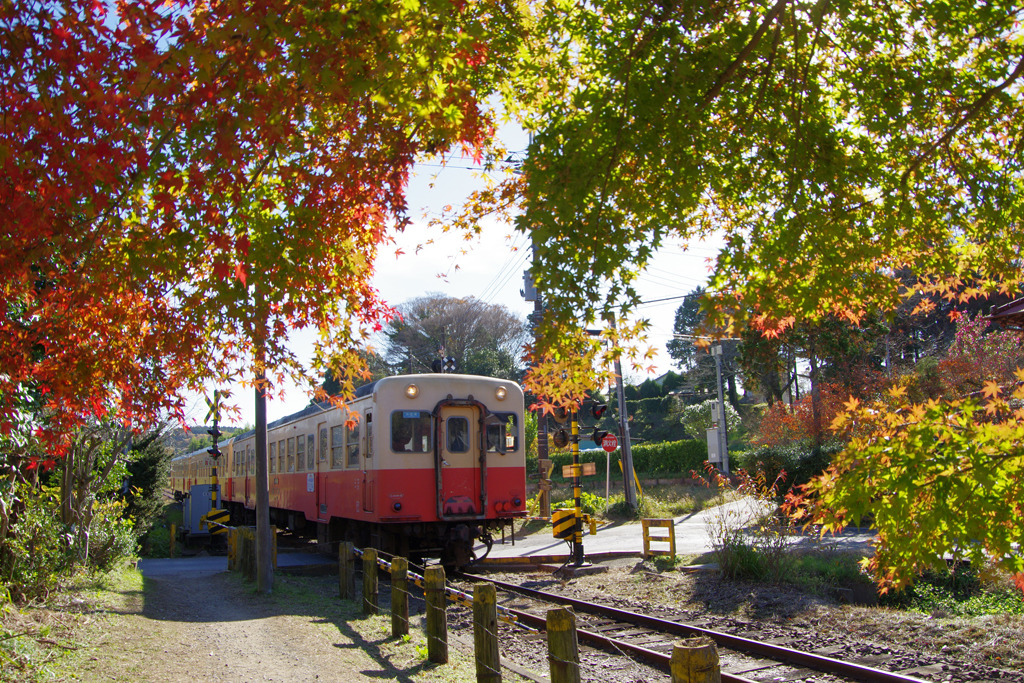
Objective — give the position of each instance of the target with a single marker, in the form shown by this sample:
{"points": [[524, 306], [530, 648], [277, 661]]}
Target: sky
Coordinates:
{"points": [[491, 269]]}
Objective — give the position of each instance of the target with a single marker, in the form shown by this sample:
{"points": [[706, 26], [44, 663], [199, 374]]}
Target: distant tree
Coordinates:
{"points": [[479, 335], [147, 478], [697, 419], [688, 320], [493, 362]]}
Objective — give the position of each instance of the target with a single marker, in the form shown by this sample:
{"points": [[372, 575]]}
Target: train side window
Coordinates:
{"points": [[352, 447], [273, 457], [509, 424], [369, 434], [280, 456], [410, 431], [300, 452], [323, 444], [310, 457], [458, 434], [337, 447], [252, 460], [291, 454]]}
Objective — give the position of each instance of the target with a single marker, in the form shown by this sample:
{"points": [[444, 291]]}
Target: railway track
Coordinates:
{"points": [[744, 660]]}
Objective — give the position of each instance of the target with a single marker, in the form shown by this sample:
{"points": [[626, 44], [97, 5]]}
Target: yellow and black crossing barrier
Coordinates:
{"points": [[217, 521], [563, 523]]}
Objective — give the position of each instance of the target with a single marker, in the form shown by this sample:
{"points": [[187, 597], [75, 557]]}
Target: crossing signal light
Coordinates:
{"points": [[214, 452], [598, 410], [214, 432], [561, 415], [599, 435], [561, 438]]}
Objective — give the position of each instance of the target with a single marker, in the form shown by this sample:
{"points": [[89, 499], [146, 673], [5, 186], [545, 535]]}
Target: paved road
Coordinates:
{"points": [[691, 532]]}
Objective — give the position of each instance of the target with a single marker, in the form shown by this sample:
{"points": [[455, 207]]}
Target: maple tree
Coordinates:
{"points": [[185, 182]]}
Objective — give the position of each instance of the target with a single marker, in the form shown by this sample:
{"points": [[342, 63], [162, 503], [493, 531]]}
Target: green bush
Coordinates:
{"points": [[800, 461], [112, 535], [40, 548], [957, 592], [590, 503], [671, 458]]}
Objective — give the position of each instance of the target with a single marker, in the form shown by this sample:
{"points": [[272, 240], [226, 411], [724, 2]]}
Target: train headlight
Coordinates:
{"points": [[412, 391], [500, 393]]}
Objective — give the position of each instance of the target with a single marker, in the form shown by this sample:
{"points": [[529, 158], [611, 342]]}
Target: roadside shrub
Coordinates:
{"points": [[798, 462], [111, 535], [670, 458], [39, 549], [157, 541], [960, 591], [749, 537], [589, 502]]}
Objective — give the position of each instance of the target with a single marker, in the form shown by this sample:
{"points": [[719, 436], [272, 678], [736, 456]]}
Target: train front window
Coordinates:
{"points": [[410, 431], [506, 427], [458, 435]]}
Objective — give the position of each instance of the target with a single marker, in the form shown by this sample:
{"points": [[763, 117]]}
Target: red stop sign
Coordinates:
{"points": [[609, 442]]}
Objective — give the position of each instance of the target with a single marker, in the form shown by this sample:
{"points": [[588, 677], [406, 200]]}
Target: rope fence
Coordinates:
{"points": [[692, 662]]}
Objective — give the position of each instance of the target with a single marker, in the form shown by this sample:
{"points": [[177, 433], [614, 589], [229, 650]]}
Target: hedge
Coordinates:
{"points": [[649, 459]]}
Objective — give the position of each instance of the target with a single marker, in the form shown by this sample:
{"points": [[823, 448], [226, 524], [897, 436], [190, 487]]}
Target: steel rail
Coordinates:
{"points": [[858, 672], [658, 659]]}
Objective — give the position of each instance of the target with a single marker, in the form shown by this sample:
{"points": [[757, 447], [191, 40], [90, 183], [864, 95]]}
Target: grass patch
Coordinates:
{"points": [[823, 570], [40, 641]]}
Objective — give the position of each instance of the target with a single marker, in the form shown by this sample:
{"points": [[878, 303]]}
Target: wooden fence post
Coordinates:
{"points": [[437, 615], [399, 596], [346, 571], [247, 548], [174, 534], [695, 660], [563, 646], [231, 549], [485, 633], [369, 581]]}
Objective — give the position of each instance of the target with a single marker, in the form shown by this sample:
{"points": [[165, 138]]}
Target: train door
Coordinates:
{"points": [[369, 473], [320, 469], [459, 468]]}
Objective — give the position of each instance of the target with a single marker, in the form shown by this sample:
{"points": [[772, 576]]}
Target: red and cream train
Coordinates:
{"points": [[418, 464]]}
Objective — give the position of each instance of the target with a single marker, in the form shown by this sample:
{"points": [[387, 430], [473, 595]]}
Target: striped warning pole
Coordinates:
{"points": [[577, 546], [216, 519]]}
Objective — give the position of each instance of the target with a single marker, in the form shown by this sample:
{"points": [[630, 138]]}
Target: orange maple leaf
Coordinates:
{"points": [[991, 390]]}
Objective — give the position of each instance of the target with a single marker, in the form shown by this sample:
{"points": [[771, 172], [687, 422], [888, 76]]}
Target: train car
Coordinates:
{"points": [[421, 465]]}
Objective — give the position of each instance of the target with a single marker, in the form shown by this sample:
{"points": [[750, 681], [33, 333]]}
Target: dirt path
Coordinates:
{"points": [[214, 627]]}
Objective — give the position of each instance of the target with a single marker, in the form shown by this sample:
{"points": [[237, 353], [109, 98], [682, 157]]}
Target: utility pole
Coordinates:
{"points": [[628, 483], [529, 293], [264, 537], [721, 433]]}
